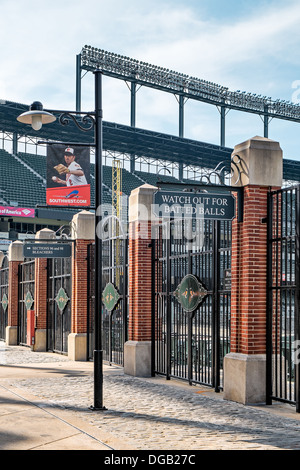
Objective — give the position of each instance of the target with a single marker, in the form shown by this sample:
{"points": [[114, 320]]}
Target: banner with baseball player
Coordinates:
{"points": [[68, 176]]}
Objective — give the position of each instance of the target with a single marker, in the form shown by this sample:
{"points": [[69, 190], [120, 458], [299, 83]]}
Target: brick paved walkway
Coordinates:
{"points": [[147, 414]]}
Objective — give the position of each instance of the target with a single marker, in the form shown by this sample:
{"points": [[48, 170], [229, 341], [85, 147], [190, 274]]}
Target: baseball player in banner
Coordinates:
{"points": [[68, 175]]}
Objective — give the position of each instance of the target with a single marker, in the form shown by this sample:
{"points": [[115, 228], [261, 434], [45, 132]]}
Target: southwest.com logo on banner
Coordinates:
{"points": [[68, 176]]}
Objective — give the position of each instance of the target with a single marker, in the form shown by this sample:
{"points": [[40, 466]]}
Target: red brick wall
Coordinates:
{"points": [[249, 275], [40, 293], [79, 287], [139, 328], [13, 293]]}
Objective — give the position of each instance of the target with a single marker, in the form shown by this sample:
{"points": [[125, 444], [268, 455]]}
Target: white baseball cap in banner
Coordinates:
{"points": [[69, 150]]}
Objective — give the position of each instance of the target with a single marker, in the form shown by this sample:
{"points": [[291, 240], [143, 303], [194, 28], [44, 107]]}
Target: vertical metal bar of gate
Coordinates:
{"points": [[283, 323], [111, 279], [4, 270], [153, 303], [125, 291], [90, 300], [269, 325], [297, 302], [168, 299], [224, 293], [190, 326], [216, 306]]}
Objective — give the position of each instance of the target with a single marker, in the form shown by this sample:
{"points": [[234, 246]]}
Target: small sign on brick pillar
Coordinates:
{"points": [[245, 366], [83, 232], [137, 351], [15, 257]]}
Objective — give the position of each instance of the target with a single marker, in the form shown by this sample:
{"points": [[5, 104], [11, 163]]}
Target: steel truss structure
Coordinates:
{"points": [[138, 73], [133, 144]]}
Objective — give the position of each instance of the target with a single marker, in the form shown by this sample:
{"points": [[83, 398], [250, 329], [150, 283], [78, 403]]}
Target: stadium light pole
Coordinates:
{"points": [[36, 117]]}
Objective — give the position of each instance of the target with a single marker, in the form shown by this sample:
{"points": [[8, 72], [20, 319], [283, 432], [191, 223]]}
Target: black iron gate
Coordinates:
{"points": [[190, 344], [26, 297], [4, 270], [59, 304], [114, 297], [283, 326]]}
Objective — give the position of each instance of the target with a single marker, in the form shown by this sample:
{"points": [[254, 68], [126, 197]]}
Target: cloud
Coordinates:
{"points": [[256, 54], [46, 36], [253, 50], [213, 49]]}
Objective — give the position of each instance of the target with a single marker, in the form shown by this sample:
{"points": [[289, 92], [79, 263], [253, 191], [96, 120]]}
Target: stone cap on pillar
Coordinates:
{"points": [[2, 256], [45, 234], [83, 226], [15, 251], [257, 161], [140, 203]]}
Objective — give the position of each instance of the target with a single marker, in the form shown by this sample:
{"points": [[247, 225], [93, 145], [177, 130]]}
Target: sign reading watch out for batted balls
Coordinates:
{"points": [[199, 205], [68, 176]]}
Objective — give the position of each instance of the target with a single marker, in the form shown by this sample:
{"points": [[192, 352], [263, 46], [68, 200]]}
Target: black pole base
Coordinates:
{"points": [[93, 408], [98, 382]]}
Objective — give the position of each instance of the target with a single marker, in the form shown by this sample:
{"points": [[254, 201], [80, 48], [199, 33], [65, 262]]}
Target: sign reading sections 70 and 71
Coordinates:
{"points": [[199, 205]]}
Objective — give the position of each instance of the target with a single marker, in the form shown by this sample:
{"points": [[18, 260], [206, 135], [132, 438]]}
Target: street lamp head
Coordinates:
{"points": [[36, 116]]}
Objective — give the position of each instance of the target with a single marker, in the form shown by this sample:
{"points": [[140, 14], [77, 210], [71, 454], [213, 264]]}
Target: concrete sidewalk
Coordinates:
{"points": [[31, 422], [28, 424], [45, 402]]}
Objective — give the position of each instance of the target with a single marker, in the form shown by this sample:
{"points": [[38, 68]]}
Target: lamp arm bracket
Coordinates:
{"points": [[84, 121]]}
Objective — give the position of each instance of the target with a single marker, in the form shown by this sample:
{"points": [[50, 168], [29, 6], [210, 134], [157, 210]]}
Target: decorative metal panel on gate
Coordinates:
{"points": [[110, 297], [190, 293]]}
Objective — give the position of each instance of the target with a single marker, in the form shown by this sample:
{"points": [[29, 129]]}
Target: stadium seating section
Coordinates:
{"points": [[19, 186], [22, 180]]}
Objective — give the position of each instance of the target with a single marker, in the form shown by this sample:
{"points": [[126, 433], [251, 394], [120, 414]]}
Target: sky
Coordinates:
{"points": [[251, 46]]}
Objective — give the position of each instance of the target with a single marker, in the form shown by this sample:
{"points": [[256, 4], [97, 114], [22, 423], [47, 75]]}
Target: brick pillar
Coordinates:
{"points": [[40, 295], [15, 257], [137, 351], [83, 232], [245, 366]]}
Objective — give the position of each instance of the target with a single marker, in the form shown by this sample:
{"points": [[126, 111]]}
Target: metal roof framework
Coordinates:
{"points": [[138, 73], [120, 138], [133, 141]]}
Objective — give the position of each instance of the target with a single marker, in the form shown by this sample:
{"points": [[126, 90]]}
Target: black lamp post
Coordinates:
{"points": [[36, 117]]}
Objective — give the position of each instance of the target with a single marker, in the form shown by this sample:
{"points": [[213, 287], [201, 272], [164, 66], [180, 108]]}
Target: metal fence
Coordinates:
{"points": [[190, 345], [26, 297], [115, 281], [59, 304], [283, 295], [4, 270]]}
